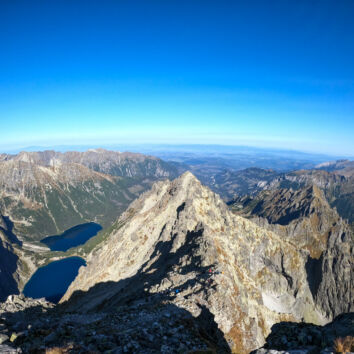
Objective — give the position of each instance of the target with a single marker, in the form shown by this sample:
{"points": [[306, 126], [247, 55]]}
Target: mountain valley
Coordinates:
{"points": [[45, 193]]}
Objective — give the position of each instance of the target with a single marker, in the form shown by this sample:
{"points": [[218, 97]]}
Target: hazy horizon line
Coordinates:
{"points": [[115, 147]]}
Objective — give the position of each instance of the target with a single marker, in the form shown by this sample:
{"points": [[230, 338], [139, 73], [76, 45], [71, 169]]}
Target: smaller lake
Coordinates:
{"points": [[73, 237], [52, 280]]}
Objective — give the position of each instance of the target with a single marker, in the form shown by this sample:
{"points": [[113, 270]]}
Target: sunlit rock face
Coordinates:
{"points": [[179, 243]]}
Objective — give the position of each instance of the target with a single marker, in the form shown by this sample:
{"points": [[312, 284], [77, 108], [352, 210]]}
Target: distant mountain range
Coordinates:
{"points": [[341, 167], [337, 185], [222, 156]]}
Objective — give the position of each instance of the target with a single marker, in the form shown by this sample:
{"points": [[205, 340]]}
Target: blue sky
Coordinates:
{"points": [[263, 73]]}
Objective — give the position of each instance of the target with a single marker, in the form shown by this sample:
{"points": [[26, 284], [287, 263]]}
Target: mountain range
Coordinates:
{"points": [[183, 270], [337, 185]]}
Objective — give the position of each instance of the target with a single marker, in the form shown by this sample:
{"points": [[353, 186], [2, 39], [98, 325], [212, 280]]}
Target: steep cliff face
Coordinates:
{"points": [[16, 265], [304, 218], [179, 243], [333, 290]]}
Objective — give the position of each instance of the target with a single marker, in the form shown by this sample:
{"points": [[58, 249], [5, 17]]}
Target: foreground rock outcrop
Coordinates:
{"points": [[287, 337], [36, 326], [179, 243]]}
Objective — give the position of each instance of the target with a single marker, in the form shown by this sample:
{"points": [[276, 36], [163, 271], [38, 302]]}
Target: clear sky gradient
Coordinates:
{"points": [[263, 73]]}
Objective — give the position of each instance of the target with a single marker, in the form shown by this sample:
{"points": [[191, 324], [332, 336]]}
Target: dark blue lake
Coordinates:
{"points": [[73, 237], [52, 280]]}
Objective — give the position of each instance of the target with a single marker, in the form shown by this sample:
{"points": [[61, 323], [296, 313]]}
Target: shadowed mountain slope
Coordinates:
{"points": [[303, 216], [338, 187], [8, 266]]}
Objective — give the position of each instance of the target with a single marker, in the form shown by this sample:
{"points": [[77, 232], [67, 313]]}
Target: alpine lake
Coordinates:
{"points": [[52, 280]]}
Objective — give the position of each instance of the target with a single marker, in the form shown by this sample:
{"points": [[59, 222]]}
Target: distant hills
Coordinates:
{"points": [[341, 167]]}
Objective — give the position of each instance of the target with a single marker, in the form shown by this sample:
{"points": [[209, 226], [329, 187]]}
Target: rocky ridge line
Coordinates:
{"points": [[180, 243]]}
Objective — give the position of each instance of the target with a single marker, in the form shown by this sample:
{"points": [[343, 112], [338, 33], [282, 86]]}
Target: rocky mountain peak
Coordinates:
{"points": [[178, 243], [283, 205]]}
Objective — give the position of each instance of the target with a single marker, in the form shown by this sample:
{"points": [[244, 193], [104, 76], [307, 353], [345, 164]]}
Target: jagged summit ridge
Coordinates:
{"points": [[303, 216], [179, 243]]}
